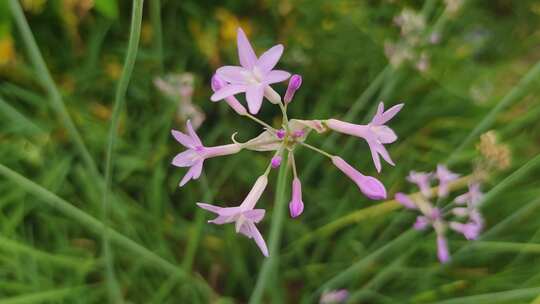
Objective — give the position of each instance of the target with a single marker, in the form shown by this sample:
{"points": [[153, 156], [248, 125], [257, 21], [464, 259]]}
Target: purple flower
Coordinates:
{"points": [[376, 133], [445, 176], [472, 198], [334, 296], [294, 84], [422, 180], [370, 186], [196, 153], [405, 200], [254, 75], [296, 206], [217, 83], [421, 222], [244, 216], [442, 249]]}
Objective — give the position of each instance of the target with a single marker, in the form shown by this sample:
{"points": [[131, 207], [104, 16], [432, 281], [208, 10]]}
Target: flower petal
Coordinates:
{"points": [[221, 211], [246, 55], [250, 230], [185, 159], [276, 76], [254, 97], [375, 155], [193, 135], [255, 215], [227, 91], [182, 138], [269, 59], [389, 114], [233, 74], [385, 134]]}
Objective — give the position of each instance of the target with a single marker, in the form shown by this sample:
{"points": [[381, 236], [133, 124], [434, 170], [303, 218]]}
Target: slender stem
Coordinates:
{"points": [[48, 83], [293, 163], [157, 35], [317, 150], [262, 123], [270, 263], [121, 89]]}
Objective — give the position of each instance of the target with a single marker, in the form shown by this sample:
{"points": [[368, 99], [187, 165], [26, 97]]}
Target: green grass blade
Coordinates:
{"points": [[496, 297], [56, 295], [119, 100]]}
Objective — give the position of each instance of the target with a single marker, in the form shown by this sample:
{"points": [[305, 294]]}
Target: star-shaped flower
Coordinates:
{"points": [[254, 75]]}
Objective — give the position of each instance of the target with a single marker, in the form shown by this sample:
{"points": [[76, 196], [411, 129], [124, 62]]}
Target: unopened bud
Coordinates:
{"points": [[294, 84]]}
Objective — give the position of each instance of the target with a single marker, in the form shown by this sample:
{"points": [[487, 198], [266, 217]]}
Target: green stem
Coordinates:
{"points": [[94, 225], [48, 83], [119, 100], [270, 263], [55, 295], [157, 35]]}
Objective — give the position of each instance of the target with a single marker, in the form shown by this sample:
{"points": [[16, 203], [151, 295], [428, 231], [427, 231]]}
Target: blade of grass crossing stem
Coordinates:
{"points": [[270, 263], [56, 295], [48, 83], [119, 100], [496, 297], [95, 226], [515, 93]]}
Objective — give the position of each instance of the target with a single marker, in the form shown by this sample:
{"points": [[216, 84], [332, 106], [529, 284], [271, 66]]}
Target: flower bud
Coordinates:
{"points": [[275, 162], [294, 84], [296, 206]]}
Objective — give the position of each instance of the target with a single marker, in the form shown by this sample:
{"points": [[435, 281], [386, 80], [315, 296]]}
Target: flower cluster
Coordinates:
{"points": [[461, 215], [253, 78]]}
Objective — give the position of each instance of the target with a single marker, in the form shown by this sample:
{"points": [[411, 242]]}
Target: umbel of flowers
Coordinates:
{"points": [[254, 79], [462, 214]]}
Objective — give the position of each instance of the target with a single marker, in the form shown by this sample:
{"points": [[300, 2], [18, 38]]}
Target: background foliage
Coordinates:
{"points": [[481, 74]]}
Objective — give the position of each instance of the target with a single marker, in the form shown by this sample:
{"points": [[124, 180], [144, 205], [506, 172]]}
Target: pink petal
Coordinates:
{"points": [[405, 200], [227, 211], [182, 138], [390, 113], [193, 135], [250, 230], [255, 215], [233, 74], [227, 91], [442, 249], [375, 156], [245, 51], [193, 173], [276, 76], [254, 97], [269, 59], [185, 159], [386, 135]]}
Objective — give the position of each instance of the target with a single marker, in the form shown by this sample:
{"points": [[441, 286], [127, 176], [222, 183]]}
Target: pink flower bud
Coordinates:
{"points": [[218, 83], [275, 162], [281, 133], [299, 133], [296, 206], [442, 249], [370, 186], [294, 84]]}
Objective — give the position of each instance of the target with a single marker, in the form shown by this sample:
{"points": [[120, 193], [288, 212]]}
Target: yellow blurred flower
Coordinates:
{"points": [[7, 51], [33, 6], [229, 23], [147, 33], [206, 41], [113, 68]]}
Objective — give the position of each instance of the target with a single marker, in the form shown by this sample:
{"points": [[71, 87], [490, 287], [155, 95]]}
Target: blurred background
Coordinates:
{"points": [[467, 72]]}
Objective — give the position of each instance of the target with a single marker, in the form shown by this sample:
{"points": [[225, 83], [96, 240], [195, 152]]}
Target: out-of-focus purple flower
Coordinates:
{"points": [[276, 161], [296, 206], [422, 180], [405, 200], [294, 84], [472, 198], [442, 249], [470, 230], [244, 216], [444, 176], [217, 84], [196, 153], [376, 133], [370, 186], [334, 296], [254, 75], [421, 222]]}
